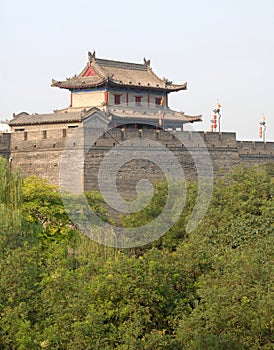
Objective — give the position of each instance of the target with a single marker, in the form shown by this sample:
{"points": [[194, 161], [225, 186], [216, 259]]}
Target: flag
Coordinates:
{"points": [[215, 122], [260, 132], [219, 104]]}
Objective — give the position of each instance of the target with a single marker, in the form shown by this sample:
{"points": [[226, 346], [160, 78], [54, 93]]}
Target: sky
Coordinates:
{"points": [[223, 49]]}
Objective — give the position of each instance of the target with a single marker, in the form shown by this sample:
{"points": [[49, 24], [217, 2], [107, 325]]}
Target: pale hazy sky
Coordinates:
{"points": [[223, 49]]}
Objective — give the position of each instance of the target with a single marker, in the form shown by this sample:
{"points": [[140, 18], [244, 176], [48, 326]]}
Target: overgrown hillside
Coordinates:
{"points": [[211, 289]]}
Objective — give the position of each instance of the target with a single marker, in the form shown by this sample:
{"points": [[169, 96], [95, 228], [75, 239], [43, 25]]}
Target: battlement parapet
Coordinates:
{"points": [[40, 139], [57, 138], [4, 137], [255, 147], [169, 138], [5, 145]]}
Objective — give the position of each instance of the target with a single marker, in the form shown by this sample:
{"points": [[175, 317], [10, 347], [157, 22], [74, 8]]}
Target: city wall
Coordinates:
{"points": [[39, 153]]}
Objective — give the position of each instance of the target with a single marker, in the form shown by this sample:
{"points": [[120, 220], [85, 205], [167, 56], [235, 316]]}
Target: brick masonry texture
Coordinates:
{"points": [[39, 153]]}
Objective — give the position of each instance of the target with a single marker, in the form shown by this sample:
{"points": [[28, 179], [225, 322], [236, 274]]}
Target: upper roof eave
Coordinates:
{"points": [[120, 74], [168, 88], [77, 84]]}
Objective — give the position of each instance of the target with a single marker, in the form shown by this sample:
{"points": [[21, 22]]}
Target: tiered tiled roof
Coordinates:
{"points": [[70, 115], [102, 72], [98, 72], [63, 116]]}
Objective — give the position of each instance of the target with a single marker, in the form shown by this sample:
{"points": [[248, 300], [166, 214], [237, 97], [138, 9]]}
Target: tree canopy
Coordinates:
{"points": [[210, 289]]}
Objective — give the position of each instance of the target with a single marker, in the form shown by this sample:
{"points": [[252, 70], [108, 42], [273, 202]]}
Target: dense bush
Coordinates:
{"points": [[210, 289]]}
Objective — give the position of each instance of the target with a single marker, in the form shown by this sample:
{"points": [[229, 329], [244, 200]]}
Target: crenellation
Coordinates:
{"points": [[255, 147]]}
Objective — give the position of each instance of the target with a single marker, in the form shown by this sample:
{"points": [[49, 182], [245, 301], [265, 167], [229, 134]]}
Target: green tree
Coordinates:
{"points": [[236, 302], [177, 232], [10, 197], [233, 268], [211, 289], [43, 204]]}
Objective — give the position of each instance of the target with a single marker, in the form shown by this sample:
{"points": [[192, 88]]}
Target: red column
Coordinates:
{"points": [[106, 97], [166, 100], [70, 99], [127, 98]]}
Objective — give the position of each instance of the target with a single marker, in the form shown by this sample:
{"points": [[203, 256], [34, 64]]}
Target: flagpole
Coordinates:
{"points": [[263, 125], [219, 121], [163, 112]]}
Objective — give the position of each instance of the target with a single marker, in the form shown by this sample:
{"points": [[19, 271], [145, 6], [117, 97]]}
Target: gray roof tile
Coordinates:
{"points": [[118, 73]]}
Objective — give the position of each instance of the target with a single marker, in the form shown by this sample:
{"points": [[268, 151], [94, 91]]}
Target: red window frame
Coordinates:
{"points": [[117, 99], [138, 100], [158, 101]]}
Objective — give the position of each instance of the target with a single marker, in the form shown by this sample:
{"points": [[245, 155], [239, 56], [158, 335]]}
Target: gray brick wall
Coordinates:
{"points": [[39, 153]]}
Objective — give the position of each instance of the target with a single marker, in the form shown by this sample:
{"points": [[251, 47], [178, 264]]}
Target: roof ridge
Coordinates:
{"points": [[122, 64]]}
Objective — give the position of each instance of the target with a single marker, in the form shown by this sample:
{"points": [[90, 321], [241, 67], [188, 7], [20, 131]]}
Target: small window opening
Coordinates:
{"points": [[138, 100], [158, 101], [117, 99]]}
